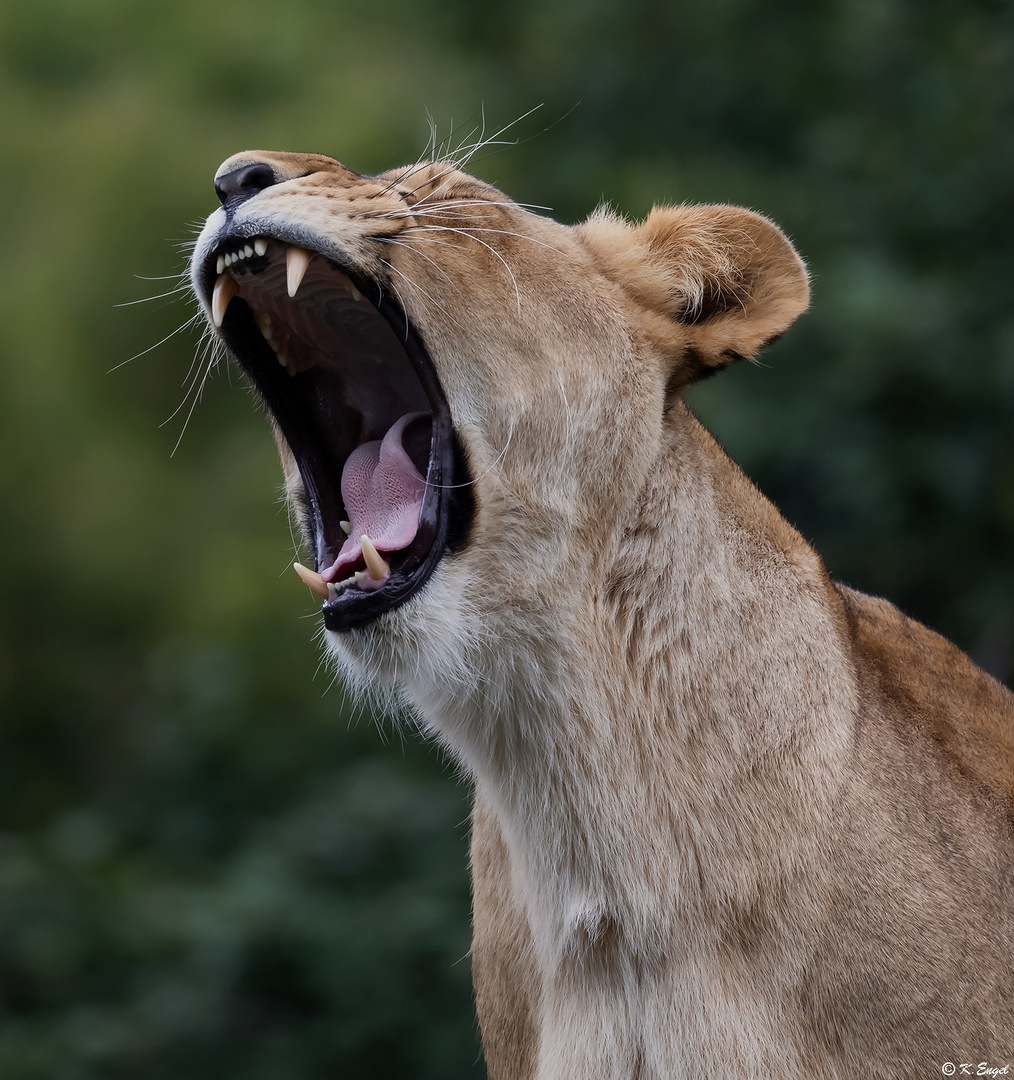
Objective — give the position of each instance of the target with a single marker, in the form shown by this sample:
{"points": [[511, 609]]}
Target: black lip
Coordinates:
{"points": [[447, 503]]}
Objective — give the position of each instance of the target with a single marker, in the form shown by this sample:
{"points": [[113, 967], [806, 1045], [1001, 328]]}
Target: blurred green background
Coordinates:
{"points": [[212, 865]]}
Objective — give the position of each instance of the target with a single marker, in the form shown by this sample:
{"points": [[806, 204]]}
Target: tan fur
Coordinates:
{"points": [[731, 819]]}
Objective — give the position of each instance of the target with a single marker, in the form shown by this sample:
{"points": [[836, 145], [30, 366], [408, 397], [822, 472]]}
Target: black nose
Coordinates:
{"points": [[244, 182]]}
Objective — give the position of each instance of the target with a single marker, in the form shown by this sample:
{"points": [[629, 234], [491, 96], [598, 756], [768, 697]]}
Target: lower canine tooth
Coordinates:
{"points": [[314, 582], [225, 289], [378, 568], [297, 259]]}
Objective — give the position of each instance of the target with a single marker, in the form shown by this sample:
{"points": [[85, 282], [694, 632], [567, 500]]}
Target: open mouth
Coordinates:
{"points": [[350, 387]]}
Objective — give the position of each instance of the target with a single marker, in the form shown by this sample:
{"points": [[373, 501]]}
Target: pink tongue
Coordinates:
{"points": [[383, 493]]}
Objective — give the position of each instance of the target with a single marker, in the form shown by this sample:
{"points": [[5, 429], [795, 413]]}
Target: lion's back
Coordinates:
{"points": [[966, 715]]}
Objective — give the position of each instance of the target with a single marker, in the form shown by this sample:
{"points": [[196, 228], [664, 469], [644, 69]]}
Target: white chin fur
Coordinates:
{"points": [[423, 653]]}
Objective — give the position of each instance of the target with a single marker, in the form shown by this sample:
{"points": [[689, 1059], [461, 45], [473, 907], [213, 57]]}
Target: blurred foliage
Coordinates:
{"points": [[211, 863]]}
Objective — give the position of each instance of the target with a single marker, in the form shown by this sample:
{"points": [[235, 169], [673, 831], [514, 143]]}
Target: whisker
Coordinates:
{"points": [[400, 299], [416, 285], [197, 397], [410, 247], [489, 247], [209, 350], [448, 207], [151, 348], [495, 140], [502, 232], [421, 161], [484, 473], [506, 265], [184, 287], [442, 175], [191, 379], [534, 135]]}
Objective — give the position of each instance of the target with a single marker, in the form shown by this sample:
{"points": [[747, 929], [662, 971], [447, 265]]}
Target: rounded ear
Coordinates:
{"points": [[726, 280]]}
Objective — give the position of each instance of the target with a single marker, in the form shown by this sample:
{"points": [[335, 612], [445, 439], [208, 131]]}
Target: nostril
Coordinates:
{"points": [[244, 182]]}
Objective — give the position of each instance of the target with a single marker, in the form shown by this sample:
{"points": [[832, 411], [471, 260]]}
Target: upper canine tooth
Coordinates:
{"points": [[378, 568], [297, 259], [225, 289], [261, 246]]}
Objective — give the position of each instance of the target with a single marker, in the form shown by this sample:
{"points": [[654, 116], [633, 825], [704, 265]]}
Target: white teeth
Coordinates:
{"points": [[350, 288], [376, 573], [264, 325], [297, 259], [336, 588], [225, 289], [378, 568], [312, 580], [281, 348], [346, 527], [230, 258]]}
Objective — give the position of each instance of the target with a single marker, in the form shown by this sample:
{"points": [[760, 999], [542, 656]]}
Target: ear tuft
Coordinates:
{"points": [[727, 277]]}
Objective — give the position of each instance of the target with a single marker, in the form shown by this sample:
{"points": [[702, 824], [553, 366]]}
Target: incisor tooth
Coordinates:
{"points": [[378, 568], [313, 581], [225, 289], [297, 259], [261, 246], [346, 527]]}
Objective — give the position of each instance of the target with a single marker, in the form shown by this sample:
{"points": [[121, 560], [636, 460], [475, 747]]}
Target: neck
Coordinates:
{"points": [[635, 733]]}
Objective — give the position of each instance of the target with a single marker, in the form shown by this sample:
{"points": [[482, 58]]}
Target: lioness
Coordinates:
{"points": [[731, 819]]}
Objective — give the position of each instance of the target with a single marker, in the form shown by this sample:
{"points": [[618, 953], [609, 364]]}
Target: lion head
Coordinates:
{"points": [[468, 397]]}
